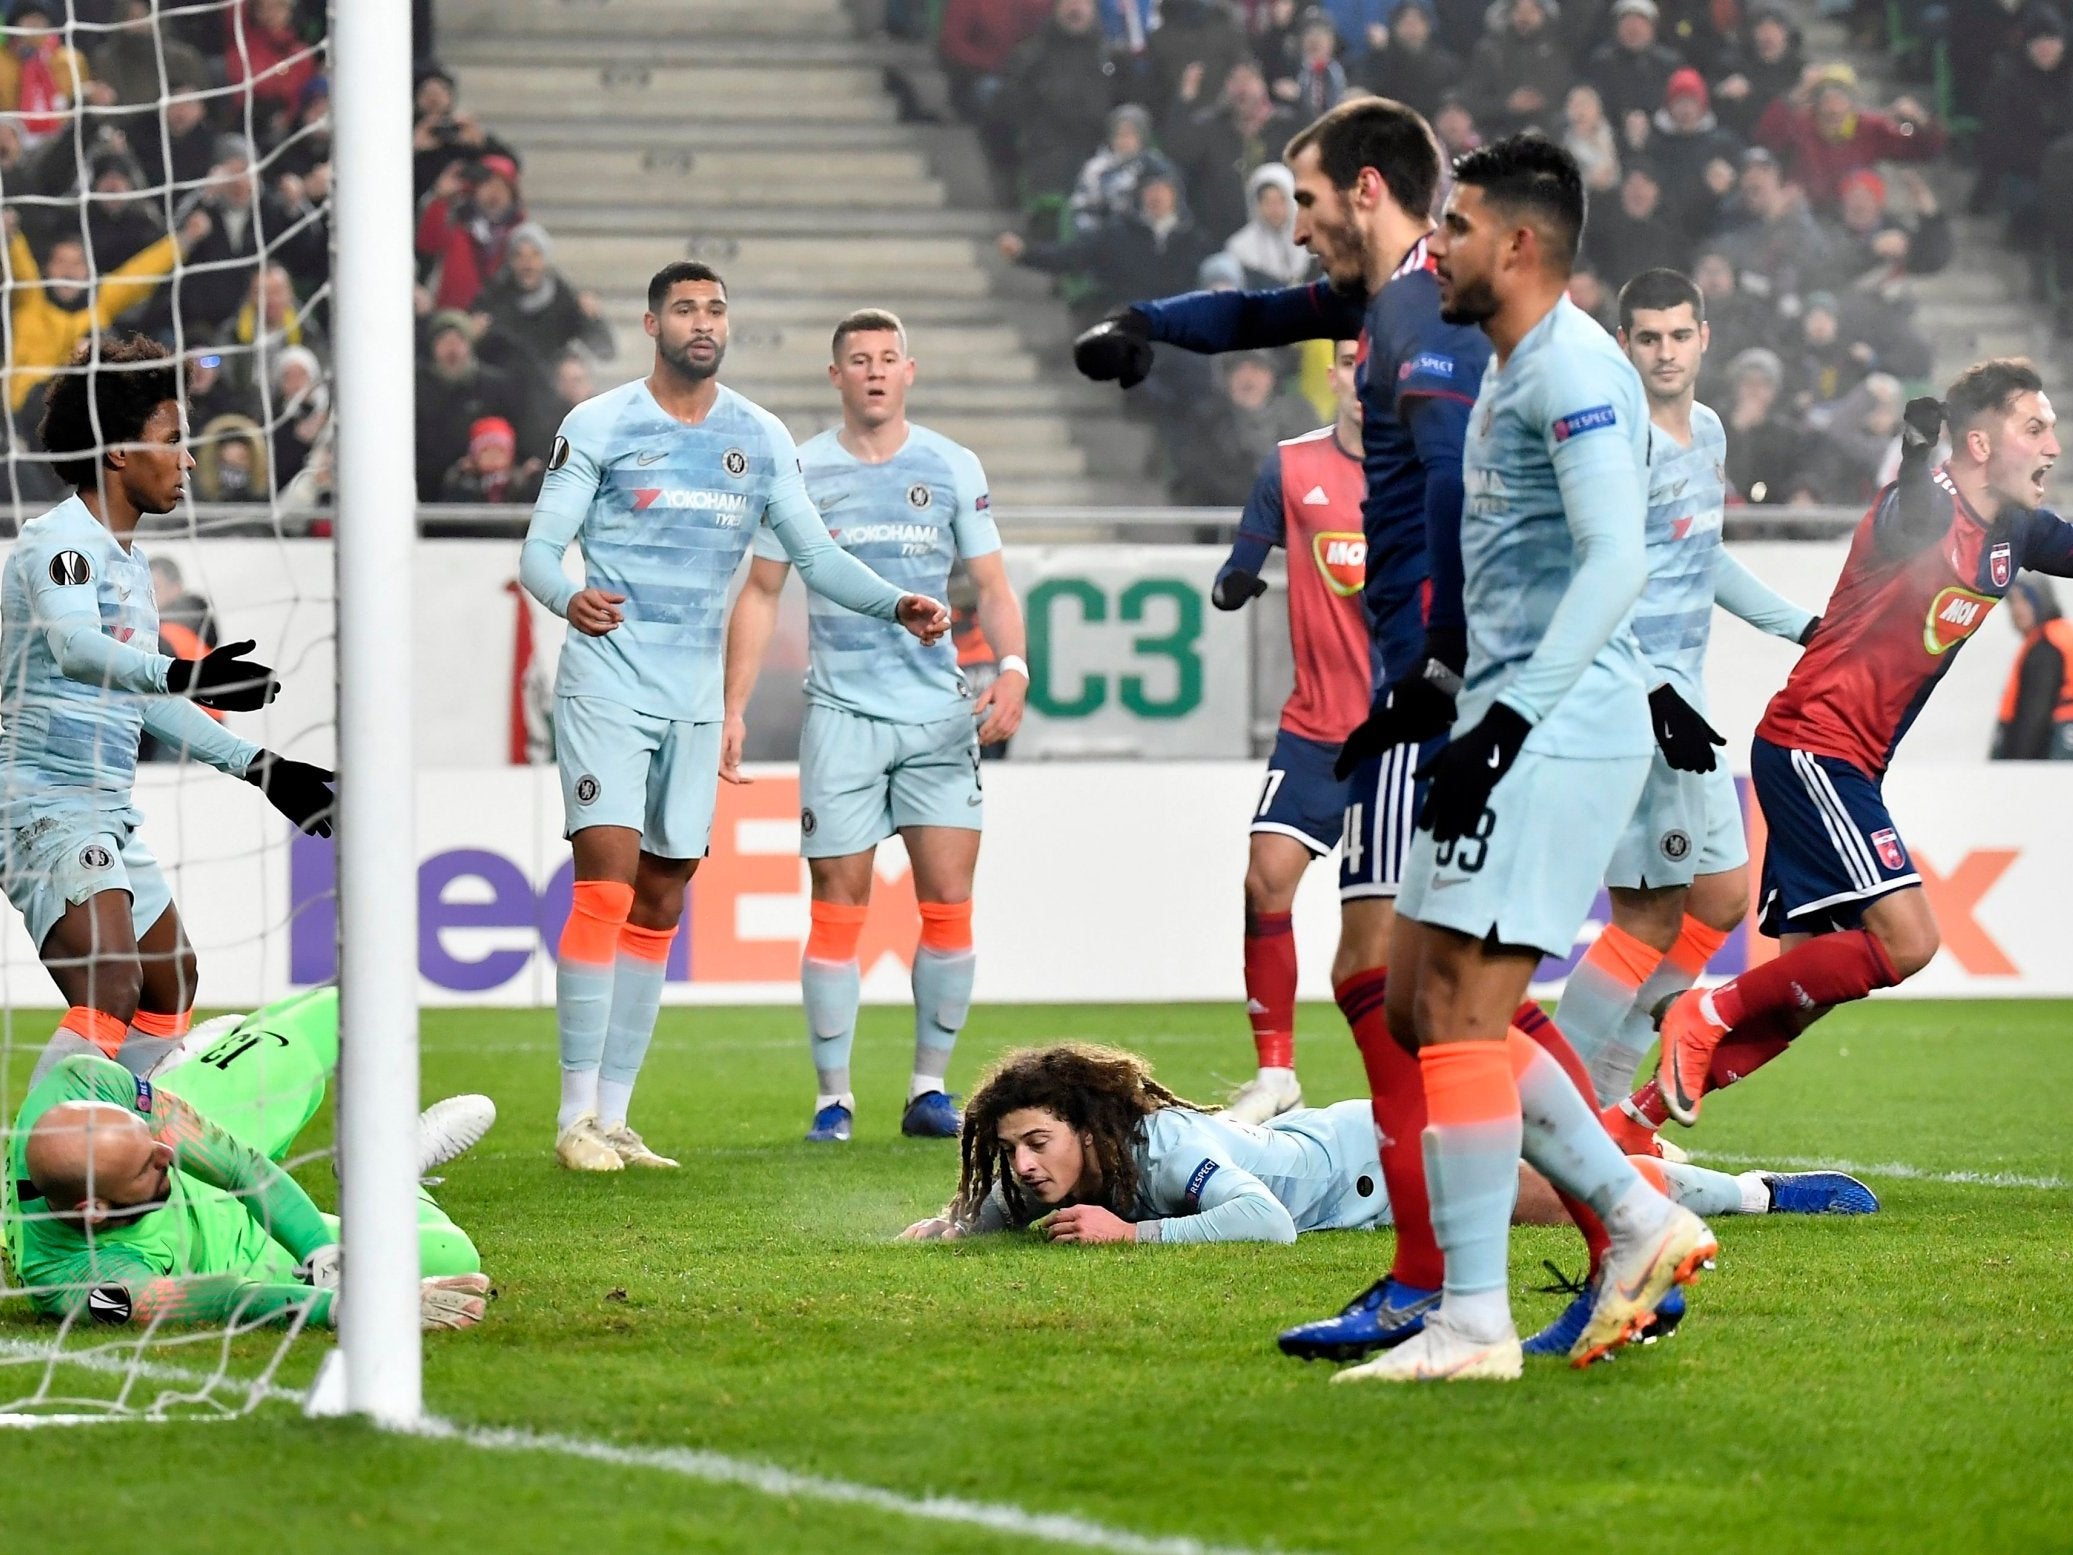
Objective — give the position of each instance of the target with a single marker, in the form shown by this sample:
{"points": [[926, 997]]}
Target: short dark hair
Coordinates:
{"points": [[1658, 290], [1375, 132], [675, 273], [1988, 385], [99, 401], [1529, 175], [868, 321]]}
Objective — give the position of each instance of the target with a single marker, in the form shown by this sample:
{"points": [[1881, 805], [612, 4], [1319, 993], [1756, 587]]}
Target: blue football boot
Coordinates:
{"points": [[1819, 1193], [831, 1125], [1561, 1335], [1669, 1313], [931, 1116], [1379, 1318]]}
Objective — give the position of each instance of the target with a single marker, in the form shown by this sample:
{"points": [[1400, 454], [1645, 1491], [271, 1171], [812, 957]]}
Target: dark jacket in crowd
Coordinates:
{"points": [[1126, 260], [1631, 80], [1055, 102]]}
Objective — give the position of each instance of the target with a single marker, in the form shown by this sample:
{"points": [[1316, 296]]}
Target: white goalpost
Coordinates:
{"points": [[257, 902], [382, 1361]]}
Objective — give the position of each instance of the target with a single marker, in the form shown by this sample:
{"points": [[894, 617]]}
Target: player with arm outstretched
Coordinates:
{"points": [[1547, 760], [83, 681], [1679, 878], [890, 744], [1307, 501], [1080, 1143], [662, 483], [1930, 560], [1366, 176], [133, 1201]]}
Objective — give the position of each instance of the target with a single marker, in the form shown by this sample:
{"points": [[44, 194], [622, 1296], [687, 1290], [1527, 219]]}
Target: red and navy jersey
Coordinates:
{"points": [[1308, 499], [1896, 621], [1418, 381]]}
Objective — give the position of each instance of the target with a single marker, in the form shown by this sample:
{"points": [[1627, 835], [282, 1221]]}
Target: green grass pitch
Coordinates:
{"points": [[1902, 1382]]}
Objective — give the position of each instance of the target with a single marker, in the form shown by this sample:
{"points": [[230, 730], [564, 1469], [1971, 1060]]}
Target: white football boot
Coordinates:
{"points": [[633, 1150], [450, 1128], [1636, 1274], [1437, 1353], [582, 1147], [1267, 1094]]}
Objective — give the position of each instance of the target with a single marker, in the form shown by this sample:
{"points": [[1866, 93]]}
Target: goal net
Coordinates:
{"points": [[165, 171]]}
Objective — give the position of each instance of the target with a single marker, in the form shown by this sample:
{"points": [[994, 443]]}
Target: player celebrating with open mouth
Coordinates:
{"points": [[664, 482]]}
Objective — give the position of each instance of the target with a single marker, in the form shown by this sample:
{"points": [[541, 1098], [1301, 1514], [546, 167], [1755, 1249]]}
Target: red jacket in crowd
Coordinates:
{"points": [[980, 35], [265, 55], [1818, 163]]}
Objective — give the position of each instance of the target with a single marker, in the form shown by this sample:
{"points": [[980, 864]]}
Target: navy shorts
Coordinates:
{"points": [[1832, 849], [1301, 798], [1381, 814]]}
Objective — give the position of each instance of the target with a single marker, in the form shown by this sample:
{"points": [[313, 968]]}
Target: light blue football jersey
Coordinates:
{"points": [[1555, 469], [663, 512], [909, 518], [68, 742], [1318, 1163], [1687, 499]]}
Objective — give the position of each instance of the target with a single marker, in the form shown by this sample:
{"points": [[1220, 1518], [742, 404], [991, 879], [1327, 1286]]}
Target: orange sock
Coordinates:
{"points": [[152, 1025], [646, 944], [103, 1030], [837, 926], [946, 927], [1697, 943], [596, 916]]}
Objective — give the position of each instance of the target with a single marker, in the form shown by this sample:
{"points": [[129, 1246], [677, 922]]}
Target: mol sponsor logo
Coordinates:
{"points": [[1342, 558], [1954, 615]]}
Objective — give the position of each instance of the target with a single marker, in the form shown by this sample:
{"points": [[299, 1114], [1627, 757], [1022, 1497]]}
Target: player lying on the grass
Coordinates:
{"points": [[77, 612], [1082, 1143], [129, 1201], [1928, 563], [890, 743], [1307, 500], [1679, 879], [662, 483]]}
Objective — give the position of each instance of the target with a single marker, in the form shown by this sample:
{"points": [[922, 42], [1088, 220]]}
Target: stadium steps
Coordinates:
{"points": [[767, 140]]}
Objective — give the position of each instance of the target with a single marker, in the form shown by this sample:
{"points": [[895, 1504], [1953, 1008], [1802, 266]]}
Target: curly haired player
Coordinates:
{"points": [[83, 682]]}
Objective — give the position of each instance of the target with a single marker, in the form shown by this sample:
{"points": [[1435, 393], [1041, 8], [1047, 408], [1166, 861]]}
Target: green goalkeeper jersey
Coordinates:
{"points": [[231, 1231]]}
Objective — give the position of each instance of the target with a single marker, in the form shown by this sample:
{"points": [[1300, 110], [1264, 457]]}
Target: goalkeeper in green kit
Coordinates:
{"points": [[133, 1201]]}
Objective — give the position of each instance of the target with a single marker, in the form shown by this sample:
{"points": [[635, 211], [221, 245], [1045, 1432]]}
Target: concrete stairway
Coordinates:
{"points": [[759, 136]]}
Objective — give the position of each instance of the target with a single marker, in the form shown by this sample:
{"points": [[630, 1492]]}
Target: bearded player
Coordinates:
{"points": [[662, 482], [892, 735], [1548, 757], [1307, 501], [1929, 561], [1366, 176], [83, 682]]}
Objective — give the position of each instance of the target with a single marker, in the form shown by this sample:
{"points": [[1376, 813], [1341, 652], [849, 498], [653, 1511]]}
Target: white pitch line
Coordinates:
{"points": [[713, 1468], [1898, 1169]]}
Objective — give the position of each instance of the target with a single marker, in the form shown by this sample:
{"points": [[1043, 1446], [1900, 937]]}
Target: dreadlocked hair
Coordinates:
{"points": [[1102, 1092]]}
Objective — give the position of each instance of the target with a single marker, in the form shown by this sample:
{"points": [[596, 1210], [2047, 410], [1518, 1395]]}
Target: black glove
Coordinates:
{"points": [[1235, 588], [1807, 633], [296, 789], [1118, 348], [226, 680], [1685, 739], [1921, 421], [1410, 711], [1467, 769]]}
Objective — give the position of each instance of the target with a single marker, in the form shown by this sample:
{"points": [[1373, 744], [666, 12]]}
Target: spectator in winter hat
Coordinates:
{"points": [[488, 471], [466, 225], [1631, 70], [1411, 66], [1822, 132], [1696, 157]]}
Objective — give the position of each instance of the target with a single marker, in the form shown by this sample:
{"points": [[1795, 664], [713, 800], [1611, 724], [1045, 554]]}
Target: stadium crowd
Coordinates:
{"points": [[1140, 143], [172, 176]]}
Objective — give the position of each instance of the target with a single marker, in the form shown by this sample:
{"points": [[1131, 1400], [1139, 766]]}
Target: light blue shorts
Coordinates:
{"points": [[64, 857], [651, 775], [1687, 824], [1531, 869], [862, 779]]}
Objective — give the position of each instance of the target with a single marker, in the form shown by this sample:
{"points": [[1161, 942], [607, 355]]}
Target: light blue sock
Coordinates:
{"points": [[1564, 1141], [830, 991], [942, 1000], [1613, 1070], [582, 1006], [636, 1001], [1705, 1192], [1593, 1010]]}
